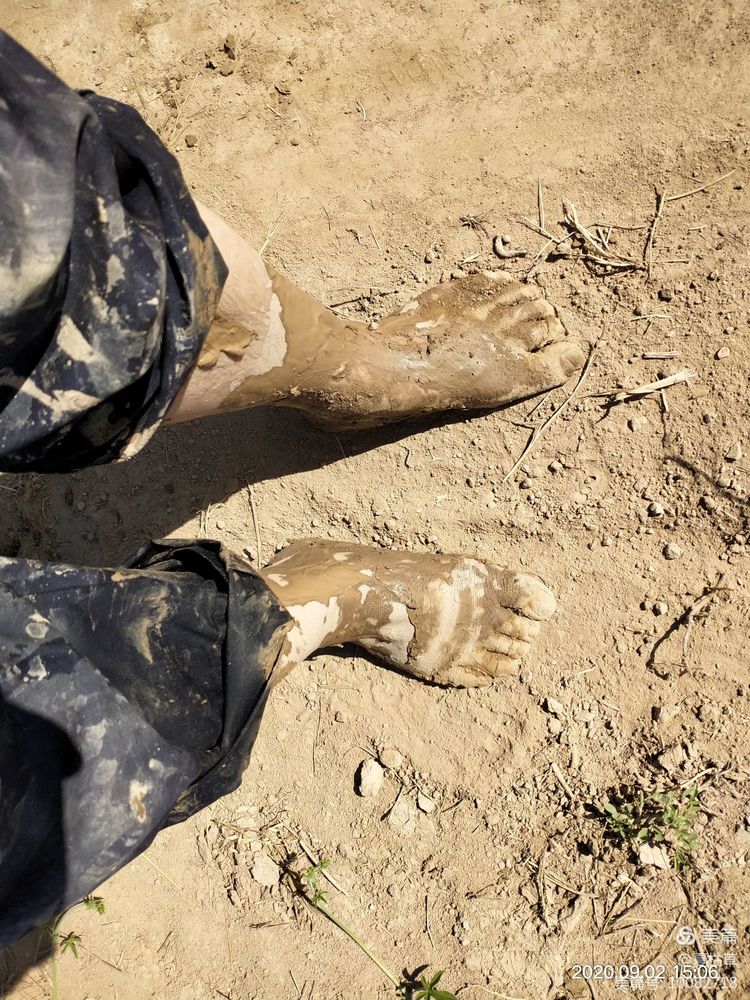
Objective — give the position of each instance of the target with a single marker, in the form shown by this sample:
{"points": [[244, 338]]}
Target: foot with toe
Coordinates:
{"points": [[474, 343], [446, 619]]}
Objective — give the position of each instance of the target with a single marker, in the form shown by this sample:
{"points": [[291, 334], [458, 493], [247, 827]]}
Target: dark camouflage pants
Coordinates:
{"points": [[129, 698]]}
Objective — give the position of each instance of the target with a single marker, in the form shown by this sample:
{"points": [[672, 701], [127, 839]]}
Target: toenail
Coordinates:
{"points": [[540, 602], [572, 359]]}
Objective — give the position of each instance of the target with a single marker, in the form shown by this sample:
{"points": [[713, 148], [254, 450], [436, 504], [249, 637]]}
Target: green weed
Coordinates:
{"points": [[60, 943], [638, 817], [425, 989]]}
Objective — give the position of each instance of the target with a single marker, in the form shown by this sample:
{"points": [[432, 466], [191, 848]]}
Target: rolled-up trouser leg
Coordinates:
{"points": [[129, 698], [108, 277]]}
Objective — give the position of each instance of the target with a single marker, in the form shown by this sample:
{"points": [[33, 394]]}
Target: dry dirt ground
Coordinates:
{"points": [[367, 130]]}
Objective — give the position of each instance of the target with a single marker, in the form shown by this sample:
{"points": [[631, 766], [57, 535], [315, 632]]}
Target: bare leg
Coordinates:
{"points": [[447, 619], [475, 343]]}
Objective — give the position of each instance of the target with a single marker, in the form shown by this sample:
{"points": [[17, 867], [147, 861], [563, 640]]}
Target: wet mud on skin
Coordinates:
{"points": [[225, 337], [446, 619], [478, 342]]}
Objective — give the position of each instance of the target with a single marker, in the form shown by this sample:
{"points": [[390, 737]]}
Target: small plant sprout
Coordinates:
{"points": [[95, 903], [60, 943], [312, 875], [425, 989], [638, 817], [69, 942]]}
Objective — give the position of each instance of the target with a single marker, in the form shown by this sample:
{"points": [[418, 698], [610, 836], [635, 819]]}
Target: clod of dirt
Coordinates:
{"points": [[391, 758], [662, 714], [654, 856], [735, 453], [672, 551], [265, 871], [369, 778], [191, 140], [708, 713], [660, 608], [554, 706], [425, 803], [708, 503], [722, 353], [672, 759], [402, 817], [655, 509]]}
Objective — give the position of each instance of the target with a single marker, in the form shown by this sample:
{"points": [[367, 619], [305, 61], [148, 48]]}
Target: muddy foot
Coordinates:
{"points": [[446, 619], [475, 343]]}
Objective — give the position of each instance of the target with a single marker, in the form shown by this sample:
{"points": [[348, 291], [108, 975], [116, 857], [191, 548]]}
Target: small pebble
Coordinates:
{"points": [[708, 713], [525, 484], [607, 541], [555, 726], [425, 803], [369, 778], [663, 714], [555, 466], [672, 551], [294, 141], [665, 295], [190, 140], [265, 871], [735, 453], [655, 509], [708, 503], [672, 758], [722, 353], [391, 758], [554, 706], [660, 608]]}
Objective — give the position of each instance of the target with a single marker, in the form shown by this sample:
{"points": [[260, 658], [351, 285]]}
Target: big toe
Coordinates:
{"points": [[562, 359], [527, 595]]}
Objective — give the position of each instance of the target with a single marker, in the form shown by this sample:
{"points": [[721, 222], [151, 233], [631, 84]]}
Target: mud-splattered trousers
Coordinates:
{"points": [[129, 697]]}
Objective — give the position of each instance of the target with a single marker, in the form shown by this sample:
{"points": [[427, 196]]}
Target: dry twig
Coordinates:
{"points": [[499, 250], [271, 232], [698, 609], [540, 203], [538, 431], [256, 525], [623, 395]]}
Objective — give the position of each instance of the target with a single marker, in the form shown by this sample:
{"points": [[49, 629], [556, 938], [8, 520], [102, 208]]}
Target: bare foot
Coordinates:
{"points": [[474, 343], [447, 619]]}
